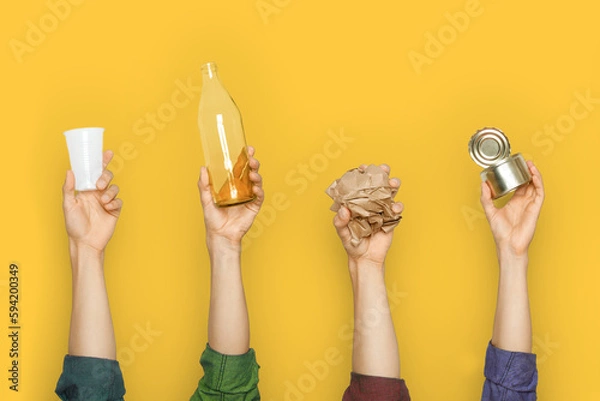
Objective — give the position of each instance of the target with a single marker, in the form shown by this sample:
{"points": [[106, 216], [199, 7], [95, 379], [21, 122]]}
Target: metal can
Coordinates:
{"points": [[490, 148]]}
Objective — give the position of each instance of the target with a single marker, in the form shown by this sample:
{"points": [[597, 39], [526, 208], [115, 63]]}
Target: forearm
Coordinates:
{"points": [[512, 324], [375, 351], [92, 332], [228, 327]]}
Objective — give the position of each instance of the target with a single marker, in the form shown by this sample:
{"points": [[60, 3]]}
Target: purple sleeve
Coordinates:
{"points": [[372, 388], [509, 376]]}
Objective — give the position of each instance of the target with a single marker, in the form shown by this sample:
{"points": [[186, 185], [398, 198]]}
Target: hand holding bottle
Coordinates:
{"points": [[232, 222]]}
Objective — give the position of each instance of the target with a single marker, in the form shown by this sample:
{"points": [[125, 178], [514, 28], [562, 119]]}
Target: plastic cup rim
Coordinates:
{"points": [[93, 129]]}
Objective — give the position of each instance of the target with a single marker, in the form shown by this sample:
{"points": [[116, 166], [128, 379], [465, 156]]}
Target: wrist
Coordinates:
{"points": [[217, 244], [510, 254], [365, 269], [82, 254], [507, 249], [508, 259], [79, 249]]}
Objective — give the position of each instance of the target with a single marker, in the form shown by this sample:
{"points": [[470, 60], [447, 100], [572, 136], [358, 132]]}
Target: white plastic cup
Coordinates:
{"points": [[85, 153]]}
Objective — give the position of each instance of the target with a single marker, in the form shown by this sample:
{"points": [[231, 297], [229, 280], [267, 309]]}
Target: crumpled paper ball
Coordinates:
{"points": [[368, 195]]}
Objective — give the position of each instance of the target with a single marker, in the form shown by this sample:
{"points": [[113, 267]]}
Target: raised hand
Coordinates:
{"points": [[375, 348], [91, 216], [231, 223], [513, 225], [372, 249]]}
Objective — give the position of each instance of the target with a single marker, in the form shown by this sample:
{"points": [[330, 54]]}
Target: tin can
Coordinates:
{"points": [[490, 148]]}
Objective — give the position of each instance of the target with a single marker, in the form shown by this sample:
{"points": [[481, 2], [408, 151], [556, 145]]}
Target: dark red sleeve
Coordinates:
{"points": [[372, 388]]}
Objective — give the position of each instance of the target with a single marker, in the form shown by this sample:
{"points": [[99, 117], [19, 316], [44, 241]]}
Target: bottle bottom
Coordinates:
{"points": [[234, 202], [237, 188]]}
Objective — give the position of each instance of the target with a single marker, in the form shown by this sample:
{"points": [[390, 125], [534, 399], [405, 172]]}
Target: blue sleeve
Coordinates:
{"points": [[90, 379], [509, 376]]}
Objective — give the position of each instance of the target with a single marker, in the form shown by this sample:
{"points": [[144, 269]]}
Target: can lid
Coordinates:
{"points": [[489, 146]]}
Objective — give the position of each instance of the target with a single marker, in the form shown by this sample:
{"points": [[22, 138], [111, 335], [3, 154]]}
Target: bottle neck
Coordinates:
{"points": [[209, 73]]}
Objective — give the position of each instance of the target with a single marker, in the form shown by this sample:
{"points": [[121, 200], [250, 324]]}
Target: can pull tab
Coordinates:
{"points": [[489, 147]]}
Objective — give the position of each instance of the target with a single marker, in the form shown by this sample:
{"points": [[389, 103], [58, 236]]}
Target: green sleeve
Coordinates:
{"points": [[90, 379], [228, 377]]}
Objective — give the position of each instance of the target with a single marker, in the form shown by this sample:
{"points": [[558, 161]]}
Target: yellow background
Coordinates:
{"points": [[300, 73]]}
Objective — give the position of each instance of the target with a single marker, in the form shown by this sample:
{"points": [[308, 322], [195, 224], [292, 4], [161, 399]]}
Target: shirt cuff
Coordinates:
{"points": [[513, 370], [232, 374], [372, 388], [90, 379]]}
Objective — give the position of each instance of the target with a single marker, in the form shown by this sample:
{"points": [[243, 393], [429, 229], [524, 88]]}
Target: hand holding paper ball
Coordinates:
{"points": [[366, 211]]}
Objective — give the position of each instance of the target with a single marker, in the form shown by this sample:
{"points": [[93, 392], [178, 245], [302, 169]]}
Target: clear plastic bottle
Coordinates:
{"points": [[224, 142]]}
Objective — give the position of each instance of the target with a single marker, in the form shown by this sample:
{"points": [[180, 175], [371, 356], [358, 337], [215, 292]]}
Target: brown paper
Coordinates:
{"points": [[368, 196]]}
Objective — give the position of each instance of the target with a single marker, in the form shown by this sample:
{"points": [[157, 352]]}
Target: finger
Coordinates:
{"points": [[538, 182], [254, 164], [110, 194], [104, 180], [342, 218], [486, 200], [106, 158], [385, 168], [398, 207], [340, 221], [362, 167], [533, 170], [204, 186], [535, 173], [251, 151], [69, 187], [395, 182], [260, 195], [115, 204], [255, 178], [522, 190]]}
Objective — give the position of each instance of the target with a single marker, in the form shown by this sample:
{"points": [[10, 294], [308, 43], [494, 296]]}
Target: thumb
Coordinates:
{"points": [[69, 187], [486, 200], [341, 220], [204, 186]]}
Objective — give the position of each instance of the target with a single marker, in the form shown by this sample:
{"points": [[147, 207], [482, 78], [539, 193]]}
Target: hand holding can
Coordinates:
{"points": [[489, 148]]}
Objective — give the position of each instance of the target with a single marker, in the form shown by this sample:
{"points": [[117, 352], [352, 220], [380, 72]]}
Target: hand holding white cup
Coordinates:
{"points": [[85, 153]]}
